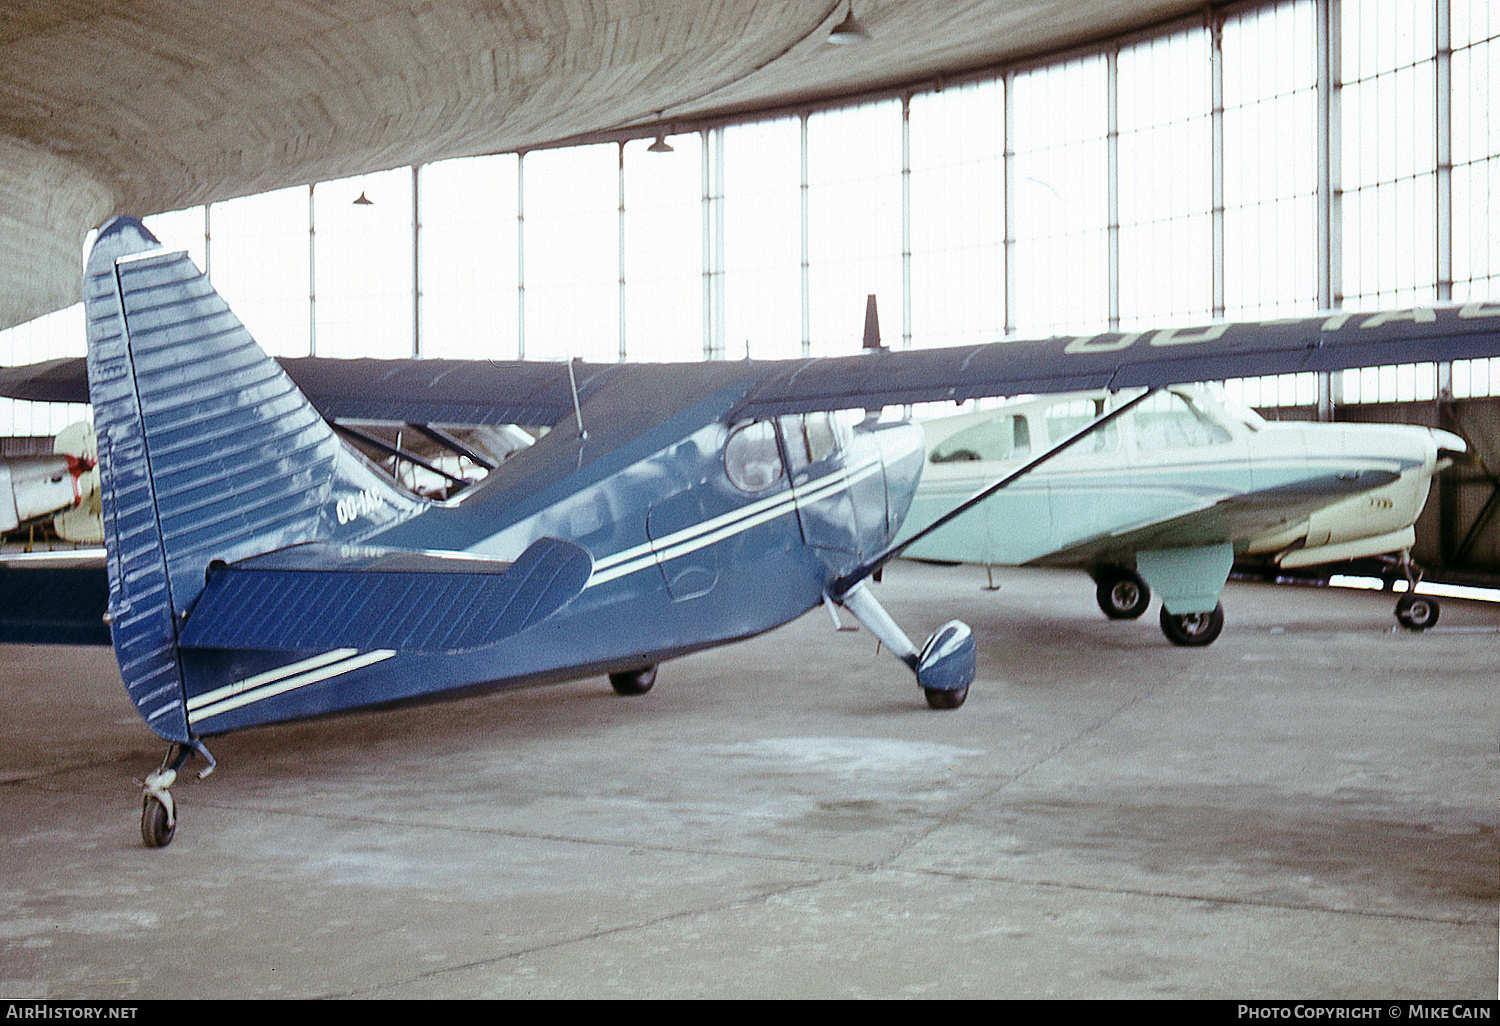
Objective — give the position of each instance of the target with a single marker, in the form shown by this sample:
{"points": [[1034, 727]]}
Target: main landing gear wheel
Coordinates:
{"points": [[1416, 612], [1192, 629], [1122, 595], [633, 682], [945, 699]]}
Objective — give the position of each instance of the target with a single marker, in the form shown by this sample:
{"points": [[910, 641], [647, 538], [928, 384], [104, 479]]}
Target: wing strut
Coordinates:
{"points": [[847, 583], [446, 440], [397, 451]]}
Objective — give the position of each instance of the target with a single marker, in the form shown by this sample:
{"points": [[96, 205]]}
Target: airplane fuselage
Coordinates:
{"points": [[722, 533], [1181, 471]]}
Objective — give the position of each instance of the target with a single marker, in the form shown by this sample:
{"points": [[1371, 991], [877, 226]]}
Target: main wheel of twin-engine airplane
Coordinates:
{"points": [[1122, 595], [1192, 629]]}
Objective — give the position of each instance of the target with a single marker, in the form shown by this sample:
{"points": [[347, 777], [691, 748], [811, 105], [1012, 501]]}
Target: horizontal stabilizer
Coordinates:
{"points": [[317, 597]]}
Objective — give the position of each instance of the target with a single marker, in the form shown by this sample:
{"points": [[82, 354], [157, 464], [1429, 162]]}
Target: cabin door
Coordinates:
{"points": [[815, 455]]}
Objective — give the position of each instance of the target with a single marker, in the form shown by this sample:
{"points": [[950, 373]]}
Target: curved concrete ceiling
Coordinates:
{"points": [[139, 106]]}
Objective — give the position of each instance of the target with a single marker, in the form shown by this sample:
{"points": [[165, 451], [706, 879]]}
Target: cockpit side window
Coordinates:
{"points": [[810, 437], [1168, 420], [821, 440], [1070, 416], [751, 457], [1006, 437]]}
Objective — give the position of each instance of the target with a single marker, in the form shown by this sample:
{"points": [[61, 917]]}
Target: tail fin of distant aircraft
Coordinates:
{"points": [[872, 324], [207, 453]]}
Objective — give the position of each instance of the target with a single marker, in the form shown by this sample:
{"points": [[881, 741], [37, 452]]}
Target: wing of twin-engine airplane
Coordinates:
{"points": [[1228, 519]]}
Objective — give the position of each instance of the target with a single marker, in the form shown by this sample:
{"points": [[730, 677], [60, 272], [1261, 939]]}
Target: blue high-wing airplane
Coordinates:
{"points": [[260, 570]]}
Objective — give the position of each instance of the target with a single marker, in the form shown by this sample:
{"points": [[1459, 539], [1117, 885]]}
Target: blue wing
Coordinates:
{"points": [[540, 394]]}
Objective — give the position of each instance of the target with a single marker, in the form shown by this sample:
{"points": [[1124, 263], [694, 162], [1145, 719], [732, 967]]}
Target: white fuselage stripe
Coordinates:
{"points": [[281, 684], [250, 683], [829, 483], [691, 539]]}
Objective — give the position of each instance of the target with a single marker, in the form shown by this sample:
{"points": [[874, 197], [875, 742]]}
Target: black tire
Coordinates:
{"points": [[1192, 630], [633, 682], [156, 830], [946, 699], [1122, 595], [1416, 612]]}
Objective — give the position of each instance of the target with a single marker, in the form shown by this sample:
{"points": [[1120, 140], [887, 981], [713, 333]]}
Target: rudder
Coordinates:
{"points": [[207, 451]]}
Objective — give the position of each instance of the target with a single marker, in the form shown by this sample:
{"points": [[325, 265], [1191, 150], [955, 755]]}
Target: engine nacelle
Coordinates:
{"points": [[66, 484], [33, 486]]}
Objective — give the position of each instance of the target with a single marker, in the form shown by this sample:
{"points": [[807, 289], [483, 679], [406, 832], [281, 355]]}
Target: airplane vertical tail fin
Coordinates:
{"points": [[872, 325], [207, 452]]}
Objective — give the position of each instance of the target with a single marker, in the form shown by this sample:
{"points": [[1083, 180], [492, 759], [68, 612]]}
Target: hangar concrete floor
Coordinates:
{"points": [[1304, 810]]}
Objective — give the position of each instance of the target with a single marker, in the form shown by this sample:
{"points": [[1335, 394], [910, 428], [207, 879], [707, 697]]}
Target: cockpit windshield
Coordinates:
{"points": [[1233, 407]]}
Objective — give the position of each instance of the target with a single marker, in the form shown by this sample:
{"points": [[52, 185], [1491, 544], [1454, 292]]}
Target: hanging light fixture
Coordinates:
{"points": [[363, 201], [660, 146], [849, 31]]}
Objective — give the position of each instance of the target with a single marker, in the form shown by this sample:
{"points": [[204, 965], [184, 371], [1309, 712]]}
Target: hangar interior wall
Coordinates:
{"points": [[1263, 160]]}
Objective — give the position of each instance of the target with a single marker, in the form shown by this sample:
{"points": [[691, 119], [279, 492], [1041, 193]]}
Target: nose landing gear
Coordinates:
{"points": [[1414, 612]]}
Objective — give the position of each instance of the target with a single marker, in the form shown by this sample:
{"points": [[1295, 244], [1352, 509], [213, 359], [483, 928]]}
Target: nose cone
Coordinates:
{"points": [[1449, 445]]}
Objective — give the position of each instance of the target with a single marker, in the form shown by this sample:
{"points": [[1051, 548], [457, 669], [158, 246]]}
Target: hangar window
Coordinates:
{"points": [[751, 458], [1007, 437]]}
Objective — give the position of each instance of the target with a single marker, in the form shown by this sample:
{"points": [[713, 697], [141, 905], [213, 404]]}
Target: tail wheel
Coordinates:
{"points": [[157, 826], [633, 682], [1416, 612], [1192, 629], [1122, 595]]}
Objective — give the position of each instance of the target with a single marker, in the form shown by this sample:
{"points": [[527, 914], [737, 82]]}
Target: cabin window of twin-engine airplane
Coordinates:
{"points": [[1073, 415], [751, 458], [1169, 420], [1006, 437]]}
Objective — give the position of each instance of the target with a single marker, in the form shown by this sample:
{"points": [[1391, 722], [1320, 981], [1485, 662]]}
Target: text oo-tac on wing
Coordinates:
{"points": [[1116, 360], [542, 394]]}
